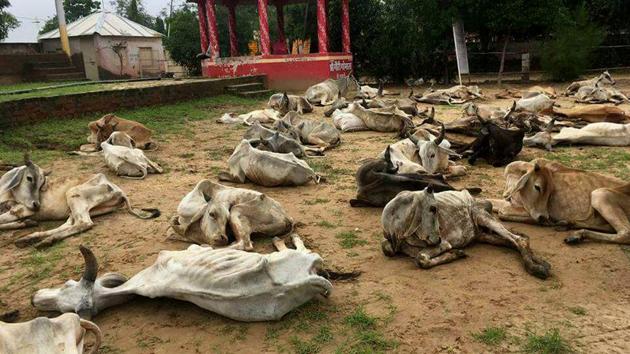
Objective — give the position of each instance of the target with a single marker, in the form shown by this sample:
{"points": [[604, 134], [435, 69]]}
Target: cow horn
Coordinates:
{"points": [[413, 138], [440, 138], [91, 265], [549, 126], [411, 93], [536, 167]]}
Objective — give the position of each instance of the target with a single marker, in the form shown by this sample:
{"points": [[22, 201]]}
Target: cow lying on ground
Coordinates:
{"points": [[599, 94], [325, 93], [389, 119], [267, 139], [311, 132], [265, 116], [601, 134], [62, 334], [407, 105], [101, 129], [498, 146], [284, 103], [546, 192], [348, 122], [604, 79], [242, 286], [531, 91], [219, 215], [538, 103], [593, 113], [122, 157], [379, 181], [266, 168], [454, 95], [434, 229], [27, 196]]}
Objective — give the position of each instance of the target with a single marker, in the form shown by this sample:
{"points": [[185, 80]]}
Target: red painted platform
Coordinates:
{"points": [[284, 72]]}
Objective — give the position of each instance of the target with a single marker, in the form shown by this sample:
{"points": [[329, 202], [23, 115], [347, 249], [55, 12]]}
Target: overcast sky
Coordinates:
{"points": [[28, 12]]}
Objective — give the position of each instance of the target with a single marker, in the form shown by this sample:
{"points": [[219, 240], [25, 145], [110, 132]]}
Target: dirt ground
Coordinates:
{"points": [[587, 298]]}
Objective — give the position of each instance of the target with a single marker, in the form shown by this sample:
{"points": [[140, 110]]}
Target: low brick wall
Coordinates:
{"points": [[24, 111]]}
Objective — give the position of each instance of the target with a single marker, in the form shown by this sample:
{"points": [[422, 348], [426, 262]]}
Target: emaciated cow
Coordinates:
{"points": [[547, 192], [593, 113], [101, 129], [219, 215], [122, 157], [498, 146], [27, 196], [284, 103], [62, 334], [602, 80], [311, 132], [325, 93], [434, 229], [600, 134], [243, 286]]}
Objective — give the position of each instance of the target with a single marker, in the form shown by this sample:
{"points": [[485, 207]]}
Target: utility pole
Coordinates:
{"points": [[170, 14], [63, 31]]}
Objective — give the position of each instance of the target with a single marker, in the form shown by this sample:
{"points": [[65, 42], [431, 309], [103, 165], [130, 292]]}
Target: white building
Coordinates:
{"points": [[113, 47]]}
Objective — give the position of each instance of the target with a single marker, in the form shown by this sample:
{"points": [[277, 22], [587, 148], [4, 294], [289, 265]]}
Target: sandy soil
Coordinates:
{"points": [[425, 311]]}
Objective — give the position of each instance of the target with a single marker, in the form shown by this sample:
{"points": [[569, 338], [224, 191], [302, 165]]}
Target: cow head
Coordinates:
{"points": [[25, 184], [85, 297], [286, 129], [105, 127], [285, 104], [606, 78], [532, 189], [214, 223], [434, 154], [121, 139], [430, 224]]}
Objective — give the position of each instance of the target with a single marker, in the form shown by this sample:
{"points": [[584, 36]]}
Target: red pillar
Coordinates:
{"points": [[203, 25], [265, 42], [232, 30], [213, 32], [280, 19], [345, 25], [322, 26]]}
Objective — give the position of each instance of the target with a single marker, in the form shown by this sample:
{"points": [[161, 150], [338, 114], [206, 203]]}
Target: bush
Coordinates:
{"points": [[184, 43], [567, 55]]}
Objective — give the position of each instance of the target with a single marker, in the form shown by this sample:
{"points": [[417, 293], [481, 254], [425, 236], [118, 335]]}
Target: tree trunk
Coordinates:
{"points": [[505, 43]]}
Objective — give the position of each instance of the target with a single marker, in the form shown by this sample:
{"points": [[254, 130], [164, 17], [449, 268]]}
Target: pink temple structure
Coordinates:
{"points": [[283, 69]]}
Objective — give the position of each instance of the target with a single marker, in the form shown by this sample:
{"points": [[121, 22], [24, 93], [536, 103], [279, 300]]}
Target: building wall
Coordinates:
{"points": [[135, 63], [19, 48]]}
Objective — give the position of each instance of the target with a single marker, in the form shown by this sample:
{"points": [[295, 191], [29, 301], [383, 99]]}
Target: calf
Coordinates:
{"points": [[261, 116], [63, 334], [243, 286], [101, 129], [266, 168], [498, 146], [219, 215], [27, 196], [434, 229], [604, 79], [122, 157]]}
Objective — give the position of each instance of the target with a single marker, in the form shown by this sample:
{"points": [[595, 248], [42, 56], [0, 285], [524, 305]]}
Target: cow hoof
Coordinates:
{"points": [[387, 248], [460, 253], [573, 239], [422, 261], [539, 271]]}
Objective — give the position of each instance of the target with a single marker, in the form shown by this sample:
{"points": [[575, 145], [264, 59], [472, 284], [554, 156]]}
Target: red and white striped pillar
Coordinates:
{"points": [[322, 26], [345, 25], [203, 25], [265, 42], [280, 19], [213, 32], [232, 30]]}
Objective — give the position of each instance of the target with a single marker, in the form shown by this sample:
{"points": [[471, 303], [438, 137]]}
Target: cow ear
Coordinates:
{"points": [[11, 179], [536, 167], [99, 126], [518, 185], [133, 142]]}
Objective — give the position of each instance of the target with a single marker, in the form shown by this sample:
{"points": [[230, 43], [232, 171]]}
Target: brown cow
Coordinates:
{"points": [[101, 129], [593, 113], [549, 192]]}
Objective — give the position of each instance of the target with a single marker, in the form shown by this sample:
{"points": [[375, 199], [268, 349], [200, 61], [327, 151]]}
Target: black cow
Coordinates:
{"points": [[498, 146]]}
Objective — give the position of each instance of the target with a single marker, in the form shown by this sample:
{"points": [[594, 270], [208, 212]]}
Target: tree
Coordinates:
{"points": [[134, 10], [184, 42], [7, 21], [74, 9], [159, 25]]}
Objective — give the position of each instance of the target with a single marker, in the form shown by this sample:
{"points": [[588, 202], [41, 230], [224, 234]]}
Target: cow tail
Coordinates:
{"points": [[143, 213], [98, 335]]}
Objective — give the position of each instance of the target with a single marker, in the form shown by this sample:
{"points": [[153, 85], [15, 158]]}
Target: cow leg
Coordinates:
{"points": [[241, 229], [279, 244], [614, 207], [444, 258], [425, 257], [16, 213], [81, 199], [18, 224], [533, 264], [507, 212], [299, 244]]}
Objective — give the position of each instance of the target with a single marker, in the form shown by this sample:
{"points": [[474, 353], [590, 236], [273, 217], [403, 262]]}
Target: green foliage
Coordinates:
{"points": [[567, 55], [159, 25], [349, 239], [74, 10], [549, 343], [184, 42], [7, 21], [490, 335], [135, 11]]}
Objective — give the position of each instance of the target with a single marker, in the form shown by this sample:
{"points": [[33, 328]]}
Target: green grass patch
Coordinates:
{"points": [[316, 201], [578, 310], [490, 335], [607, 160], [326, 224], [370, 342], [549, 343], [349, 239], [361, 320]]}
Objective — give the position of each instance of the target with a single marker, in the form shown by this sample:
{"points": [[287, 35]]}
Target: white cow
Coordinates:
{"points": [[122, 157]]}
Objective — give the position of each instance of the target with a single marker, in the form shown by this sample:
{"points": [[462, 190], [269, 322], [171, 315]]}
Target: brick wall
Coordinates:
{"points": [[20, 112]]}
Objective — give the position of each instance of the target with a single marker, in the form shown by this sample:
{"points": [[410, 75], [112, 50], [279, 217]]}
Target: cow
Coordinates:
{"points": [[325, 93], [28, 196], [498, 146], [101, 129], [549, 193], [407, 105], [379, 181], [604, 79], [243, 286], [455, 95], [370, 92], [433, 229], [284, 103], [593, 113], [63, 334], [313, 132], [339, 104], [122, 157], [272, 140], [389, 119], [538, 103], [220, 216], [529, 92], [599, 94], [268, 116], [348, 122], [266, 168], [600, 134]]}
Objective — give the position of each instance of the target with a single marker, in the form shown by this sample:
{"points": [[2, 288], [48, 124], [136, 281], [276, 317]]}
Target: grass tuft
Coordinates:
{"points": [[490, 335], [359, 319], [349, 239], [578, 310], [549, 343]]}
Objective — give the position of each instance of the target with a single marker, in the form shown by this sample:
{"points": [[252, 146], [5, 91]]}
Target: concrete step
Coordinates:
{"points": [[253, 86], [254, 93], [56, 70], [52, 64], [72, 76]]}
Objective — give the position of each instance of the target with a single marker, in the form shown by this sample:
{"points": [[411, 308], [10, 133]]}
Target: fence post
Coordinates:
{"points": [[525, 67]]}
